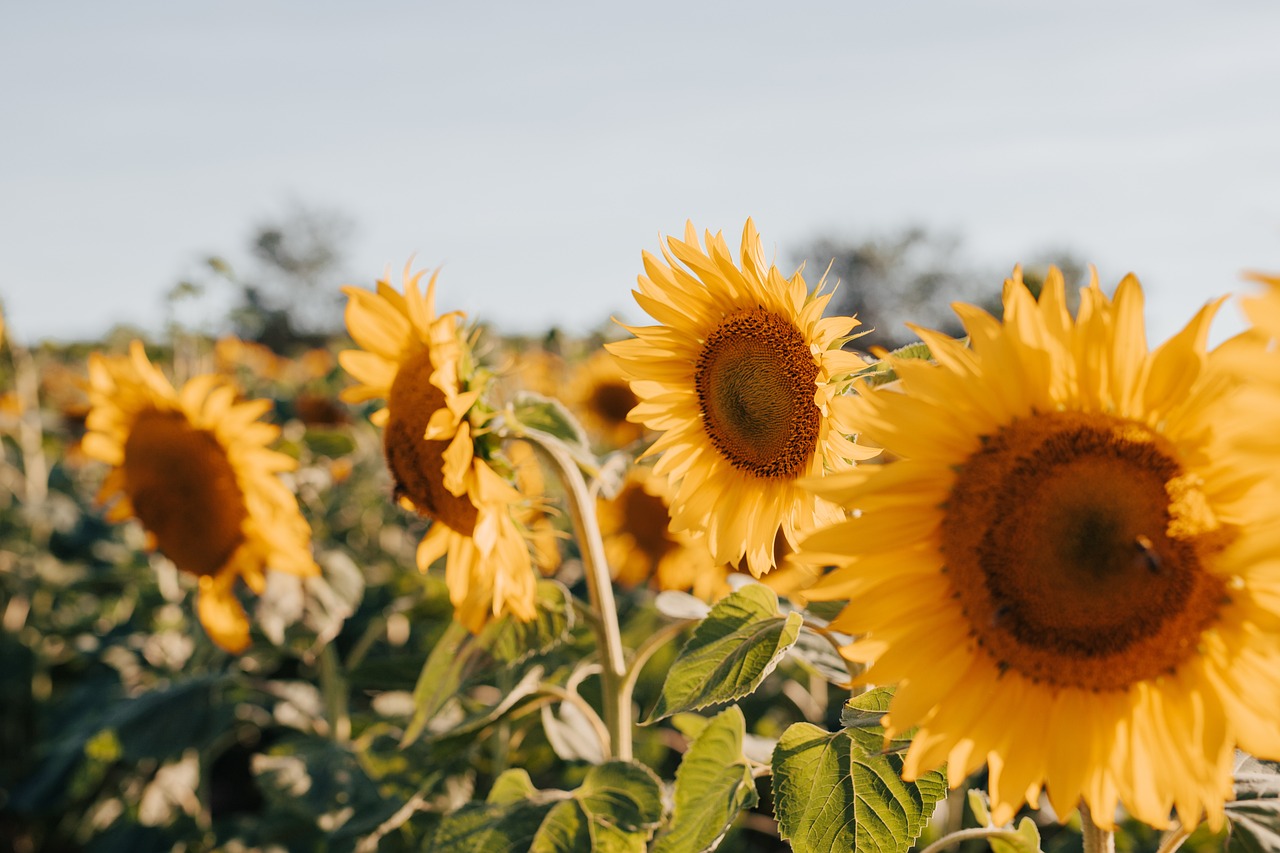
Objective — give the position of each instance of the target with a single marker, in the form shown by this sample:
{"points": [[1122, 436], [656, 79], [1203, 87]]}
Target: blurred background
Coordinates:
{"points": [[535, 150], [206, 176]]}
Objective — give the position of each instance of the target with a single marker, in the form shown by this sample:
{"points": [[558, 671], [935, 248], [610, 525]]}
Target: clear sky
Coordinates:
{"points": [[535, 149]]}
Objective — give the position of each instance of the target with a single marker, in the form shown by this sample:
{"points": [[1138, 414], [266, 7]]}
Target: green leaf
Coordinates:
{"points": [[549, 415], [839, 791], [616, 809], [1253, 819], [512, 786], [622, 794], [439, 681], [564, 828], [511, 641], [730, 653], [713, 785]]}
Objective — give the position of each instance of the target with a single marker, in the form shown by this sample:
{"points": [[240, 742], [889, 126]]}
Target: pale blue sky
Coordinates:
{"points": [[536, 148]]}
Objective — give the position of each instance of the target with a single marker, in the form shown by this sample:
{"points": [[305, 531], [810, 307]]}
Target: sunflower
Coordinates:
{"points": [[641, 549], [439, 453], [601, 396], [739, 377], [1070, 569], [1264, 310], [194, 468]]}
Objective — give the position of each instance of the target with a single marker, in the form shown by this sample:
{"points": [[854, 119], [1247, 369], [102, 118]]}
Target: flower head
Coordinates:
{"points": [[1069, 570], [445, 464], [193, 466], [738, 376]]}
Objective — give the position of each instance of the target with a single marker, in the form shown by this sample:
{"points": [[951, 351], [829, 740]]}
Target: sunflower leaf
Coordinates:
{"points": [[713, 785], [549, 415], [616, 808], [731, 651], [838, 791], [1253, 818], [511, 641]]}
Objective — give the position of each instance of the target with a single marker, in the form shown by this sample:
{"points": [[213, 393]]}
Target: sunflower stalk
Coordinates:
{"points": [[1096, 839], [613, 665]]}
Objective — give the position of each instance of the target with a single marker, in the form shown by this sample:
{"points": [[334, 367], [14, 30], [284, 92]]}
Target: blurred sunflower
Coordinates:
{"points": [[439, 453], [194, 468], [1070, 570], [601, 396], [739, 377], [641, 548]]}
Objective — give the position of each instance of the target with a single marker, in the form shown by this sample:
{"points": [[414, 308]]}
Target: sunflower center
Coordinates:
{"points": [[416, 464], [755, 380], [1077, 546], [646, 517], [612, 401], [184, 490]]}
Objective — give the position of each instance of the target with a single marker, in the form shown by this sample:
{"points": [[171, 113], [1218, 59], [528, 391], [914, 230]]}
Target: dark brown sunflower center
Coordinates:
{"points": [[184, 490], [646, 517], [1076, 544], [612, 400], [417, 465], [755, 380]]}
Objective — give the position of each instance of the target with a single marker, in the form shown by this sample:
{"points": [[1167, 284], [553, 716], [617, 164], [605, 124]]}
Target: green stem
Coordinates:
{"points": [[334, 688], [655, 641], [613, 665], [966, 834], [1096, 839]]}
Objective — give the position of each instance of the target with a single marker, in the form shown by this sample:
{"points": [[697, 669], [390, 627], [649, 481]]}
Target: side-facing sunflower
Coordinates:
{"points": [[738, 377], [437, 448], [193, 466], [1071, 569]]}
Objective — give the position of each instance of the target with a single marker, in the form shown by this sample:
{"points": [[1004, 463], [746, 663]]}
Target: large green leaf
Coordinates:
{"points": [[549, 415], [730, 653], [615, 810], [844, 791], [713, 785], [1254, 816]]}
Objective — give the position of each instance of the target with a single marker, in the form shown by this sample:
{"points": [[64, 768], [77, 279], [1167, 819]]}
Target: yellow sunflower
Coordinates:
{"points": [[1071, 569], [437, 447], [1264, 311], [601, 396], [194, 468], [641, 549], [738, 377]]}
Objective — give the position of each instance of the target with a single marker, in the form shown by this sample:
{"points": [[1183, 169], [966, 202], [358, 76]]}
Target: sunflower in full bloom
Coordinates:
{"points": [[193, 466], [438, 450], [1070, 569], [738, 377]]}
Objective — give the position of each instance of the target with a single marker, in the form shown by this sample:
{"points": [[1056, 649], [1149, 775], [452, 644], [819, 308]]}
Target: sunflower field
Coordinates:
{"points": [[728, 580]]}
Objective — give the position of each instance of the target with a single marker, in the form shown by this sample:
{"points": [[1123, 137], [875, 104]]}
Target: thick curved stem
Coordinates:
{"points": [[1096, 839], [613, 665]]}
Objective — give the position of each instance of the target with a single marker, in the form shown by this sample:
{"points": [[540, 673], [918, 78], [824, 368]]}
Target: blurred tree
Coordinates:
{"points": [[290, 296], [910, 275], [914, 276]]}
